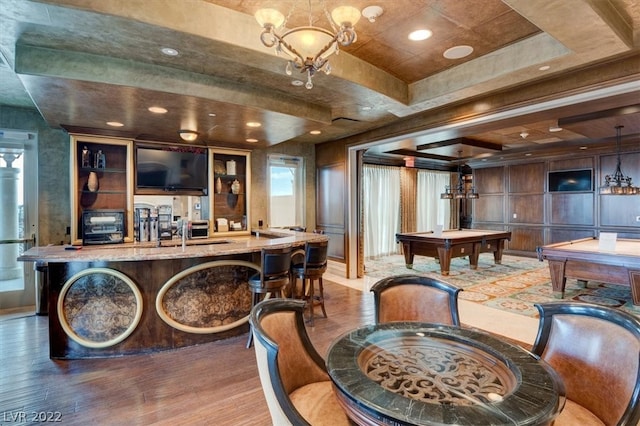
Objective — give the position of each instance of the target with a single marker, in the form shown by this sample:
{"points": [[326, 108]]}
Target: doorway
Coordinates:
{"points": [[18, 217]]}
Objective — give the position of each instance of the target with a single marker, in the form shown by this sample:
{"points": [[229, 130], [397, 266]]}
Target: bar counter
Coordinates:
{"points": [[121, 299]]}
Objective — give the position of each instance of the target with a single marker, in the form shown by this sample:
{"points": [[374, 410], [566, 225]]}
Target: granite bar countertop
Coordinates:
{"points": [[171, 249]]}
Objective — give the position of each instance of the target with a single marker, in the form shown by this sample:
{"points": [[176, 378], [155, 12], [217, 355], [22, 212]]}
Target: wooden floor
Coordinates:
{"points": [[213, 384]]}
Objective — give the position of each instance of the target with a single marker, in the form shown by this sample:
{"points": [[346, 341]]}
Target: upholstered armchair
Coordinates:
{"points": [[416, 298], [596, 352], [294, 378]]}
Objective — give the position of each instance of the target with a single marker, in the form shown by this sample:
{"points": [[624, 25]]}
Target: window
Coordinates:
{"points": [[286, 191]]}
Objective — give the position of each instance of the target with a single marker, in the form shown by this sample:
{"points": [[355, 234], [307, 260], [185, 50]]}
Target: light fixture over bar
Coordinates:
{"points": [[617, 183], [309, 47]]}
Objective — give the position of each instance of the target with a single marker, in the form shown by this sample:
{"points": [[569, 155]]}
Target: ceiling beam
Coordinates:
{"points": [[462, 141], [613, 112]]}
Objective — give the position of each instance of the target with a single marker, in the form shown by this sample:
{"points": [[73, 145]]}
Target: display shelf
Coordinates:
{"points": [[100, 182], [230, 189]]}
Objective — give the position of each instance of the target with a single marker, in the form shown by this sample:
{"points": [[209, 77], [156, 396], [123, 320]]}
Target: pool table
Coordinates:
{"points": [[585, 261], [453, 243]]}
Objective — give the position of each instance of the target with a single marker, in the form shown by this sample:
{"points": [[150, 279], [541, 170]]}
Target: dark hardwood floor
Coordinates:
{"points": [[214, 384]]}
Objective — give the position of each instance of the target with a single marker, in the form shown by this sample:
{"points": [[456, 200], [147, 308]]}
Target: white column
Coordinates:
{"points": [[9, 267]]}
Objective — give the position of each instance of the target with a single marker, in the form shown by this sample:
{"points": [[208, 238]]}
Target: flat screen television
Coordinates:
{"points": [[570, 181], [171, 168]]}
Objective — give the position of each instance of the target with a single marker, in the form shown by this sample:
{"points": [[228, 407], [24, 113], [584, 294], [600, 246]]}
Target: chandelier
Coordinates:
{"points": [[618, 183], [458, 190], [309, 47]]}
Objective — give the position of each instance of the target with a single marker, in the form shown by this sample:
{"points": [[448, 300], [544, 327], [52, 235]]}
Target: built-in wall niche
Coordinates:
{"points": [[191, 207]]}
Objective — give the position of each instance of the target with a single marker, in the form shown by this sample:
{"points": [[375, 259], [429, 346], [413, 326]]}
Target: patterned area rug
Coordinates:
{"points": [[514, 286]]}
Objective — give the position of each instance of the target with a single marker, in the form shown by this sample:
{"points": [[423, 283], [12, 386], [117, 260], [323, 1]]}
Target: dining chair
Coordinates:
{"points": [[273, 278], [416, 298], [293, 375], [596, 351], [309, 272]]}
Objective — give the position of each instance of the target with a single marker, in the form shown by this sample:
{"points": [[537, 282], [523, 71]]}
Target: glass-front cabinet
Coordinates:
{"points": [[229, 190], [101, 190]]}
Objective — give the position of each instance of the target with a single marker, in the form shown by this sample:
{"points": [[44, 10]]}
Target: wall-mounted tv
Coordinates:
{"points": [[171, 168], [571, 181]]}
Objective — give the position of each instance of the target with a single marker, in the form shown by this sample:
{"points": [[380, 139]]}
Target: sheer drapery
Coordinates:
{"points": [[381, 204], [431, 209]]}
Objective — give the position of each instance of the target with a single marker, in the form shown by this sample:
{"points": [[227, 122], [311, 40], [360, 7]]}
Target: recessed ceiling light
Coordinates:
{"points": [[583, 147], [457, 52], [419, 35], [297, 83], [188, 135], [115, 123], [158, 110], [315, 132], [253, 124], [212, 114], [169, 51], [544, 68], [528, 154], [555, 129], [252, 140]]}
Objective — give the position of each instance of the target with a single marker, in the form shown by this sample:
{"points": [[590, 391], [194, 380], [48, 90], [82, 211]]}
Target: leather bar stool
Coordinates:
{"points": [[309, 272], [272, 279]]}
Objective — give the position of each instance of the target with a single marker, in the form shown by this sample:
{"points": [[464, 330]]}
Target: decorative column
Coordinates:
{"points": [[9, 229]]}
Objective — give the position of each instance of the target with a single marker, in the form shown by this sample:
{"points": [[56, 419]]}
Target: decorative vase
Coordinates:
{"points": [[235, 187], [92, 183], [218, 186]]}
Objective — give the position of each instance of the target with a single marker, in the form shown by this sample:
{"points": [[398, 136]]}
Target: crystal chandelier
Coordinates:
{"points": [[618, 183], [309, 47], [458, 191]]}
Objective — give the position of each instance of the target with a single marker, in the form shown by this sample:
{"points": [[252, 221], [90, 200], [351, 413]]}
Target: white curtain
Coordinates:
{"points": [[432, 210], [381, 206]]}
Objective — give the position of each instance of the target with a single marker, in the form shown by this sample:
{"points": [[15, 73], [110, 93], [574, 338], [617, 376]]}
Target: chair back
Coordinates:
{"points": [[416, 298], [316, 256], [275, 265], [596, 352], [286, 357]]}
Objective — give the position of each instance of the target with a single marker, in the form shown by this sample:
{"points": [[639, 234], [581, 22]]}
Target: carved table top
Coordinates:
{"points": [[435, 374]]}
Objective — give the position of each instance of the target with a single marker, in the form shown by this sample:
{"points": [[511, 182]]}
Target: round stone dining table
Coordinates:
{"points": [[408, 373]]}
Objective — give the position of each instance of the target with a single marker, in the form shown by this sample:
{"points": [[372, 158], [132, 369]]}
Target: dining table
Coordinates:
{"points": [[412, 373]]}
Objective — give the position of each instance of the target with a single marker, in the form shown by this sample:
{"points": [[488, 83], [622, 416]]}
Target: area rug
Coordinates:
{"points": [[514, 286]]}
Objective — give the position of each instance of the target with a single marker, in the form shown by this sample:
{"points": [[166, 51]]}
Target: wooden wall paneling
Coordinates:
{"points": [[489, 208], [567, 208], [571, 164], [489, 180], [558, 235], [331, 207], [527, 178], [526, 208], [526, 239], [620, 210]]}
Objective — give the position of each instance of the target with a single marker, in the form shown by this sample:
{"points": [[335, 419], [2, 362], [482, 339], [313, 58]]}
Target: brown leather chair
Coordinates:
{"points": [[309, 272], [596, 352], [273, 278], [416, 298], [293, 375]]}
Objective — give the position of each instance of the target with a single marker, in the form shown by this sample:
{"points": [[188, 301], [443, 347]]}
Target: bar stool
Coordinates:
{"points": [[310, 271], [273, 277]]}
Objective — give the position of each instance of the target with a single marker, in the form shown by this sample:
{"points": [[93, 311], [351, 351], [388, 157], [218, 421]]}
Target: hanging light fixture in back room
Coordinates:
{"points": [[617, 183], [309, 47], [458, 191]]}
